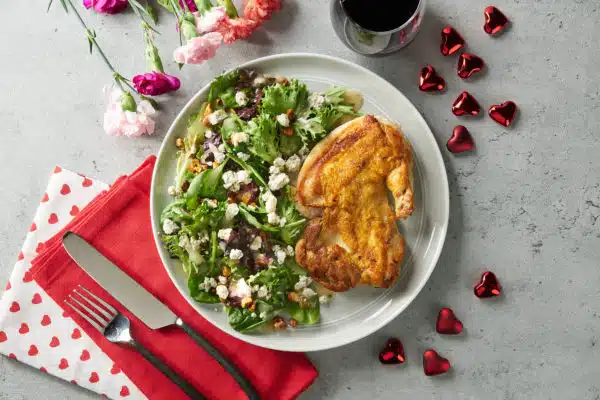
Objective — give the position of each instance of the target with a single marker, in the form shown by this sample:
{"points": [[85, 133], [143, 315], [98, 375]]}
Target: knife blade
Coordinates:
{"points": [[121, 286], [142, 303]]}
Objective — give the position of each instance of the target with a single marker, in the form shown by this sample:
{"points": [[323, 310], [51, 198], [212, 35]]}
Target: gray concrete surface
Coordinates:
{"points": [[525, 204]]}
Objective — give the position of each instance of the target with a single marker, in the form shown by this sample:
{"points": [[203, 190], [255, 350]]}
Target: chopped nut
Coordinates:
{"points": [[226, 271], [304, 302], [246, 301], [215, 164], [262, 260], [292, 296], [252, 307], [179, 143], [293, 323], [289, 131], [290, 114], [185, 186], [283, 80], [219, 101], [207, 111], [196, 166], [279, 323]]}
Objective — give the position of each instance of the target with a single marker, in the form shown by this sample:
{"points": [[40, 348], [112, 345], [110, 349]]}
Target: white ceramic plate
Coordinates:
{"points": [[361, 311]]}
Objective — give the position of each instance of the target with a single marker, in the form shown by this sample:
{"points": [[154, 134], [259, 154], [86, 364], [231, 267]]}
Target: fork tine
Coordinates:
{"points": [[85, 316], [95, 307], [92, 312], [110, 308]]}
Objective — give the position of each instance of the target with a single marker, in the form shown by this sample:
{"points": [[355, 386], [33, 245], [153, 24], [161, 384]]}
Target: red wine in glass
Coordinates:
{"points": [[380, 15]]}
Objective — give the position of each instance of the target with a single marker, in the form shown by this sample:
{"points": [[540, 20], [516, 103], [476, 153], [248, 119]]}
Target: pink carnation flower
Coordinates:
{"points": [[198, 49], [261, 10], [209, 21], [106, 6], [237, 28], [118, 122], [155, 83]]}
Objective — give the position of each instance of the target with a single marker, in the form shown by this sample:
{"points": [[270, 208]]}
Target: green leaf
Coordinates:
{"points": [[243, 319], [289, 145], [331, 114], [305, 316], [309, 130], [176, 212], [279, 98], [166, 4], [232, 124], [264, 138], [207, 184], [247, 166], [221, 83], [252, 220], [151, 11], [291, 232]]}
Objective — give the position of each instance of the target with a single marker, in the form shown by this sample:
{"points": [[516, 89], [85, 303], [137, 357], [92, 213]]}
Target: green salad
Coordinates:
{"points": [[233, 222]]}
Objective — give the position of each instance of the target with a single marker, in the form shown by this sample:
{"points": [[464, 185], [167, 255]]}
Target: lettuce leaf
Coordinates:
{"points": [[221, 84], [264, 139], [278, 98], [295, 222], [207, 184]]}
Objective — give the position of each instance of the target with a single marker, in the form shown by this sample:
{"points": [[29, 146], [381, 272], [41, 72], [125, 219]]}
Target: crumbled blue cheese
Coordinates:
{"points": [[222, 292], [173, 191], [224, 234], [241, 98], [233, 180], [290, 251], [222, 280], [278, 181], [324, 299], [238, 138], [169, 227], [270, 202], [293, 163], [283, 120], [273, 219], [279, 254], [308, 293], [259, 81], [262, 292], [236, 254], [243, 177], [240, 289], [208, 284], [279, 163], [217, 117], [316, 100], [303, 282], [208, 134], [231, 211], [212, 203], [223, 245], [243, 156], [256, 244]]}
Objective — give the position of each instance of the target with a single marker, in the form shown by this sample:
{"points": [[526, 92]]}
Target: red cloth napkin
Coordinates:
{"points": [[117, 223]]}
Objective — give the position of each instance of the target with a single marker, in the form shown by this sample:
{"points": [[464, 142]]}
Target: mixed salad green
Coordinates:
{"points": [[233, 221]]}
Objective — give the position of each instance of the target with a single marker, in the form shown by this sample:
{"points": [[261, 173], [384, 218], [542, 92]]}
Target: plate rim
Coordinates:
{"points": [[347, 339]]}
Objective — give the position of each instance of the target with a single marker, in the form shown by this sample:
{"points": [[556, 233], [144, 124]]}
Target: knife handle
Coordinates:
{"points": [[168, 372], [221, 359]]}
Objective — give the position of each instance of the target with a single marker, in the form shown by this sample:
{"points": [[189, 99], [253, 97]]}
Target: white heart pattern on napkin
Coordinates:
{"points": [[33, 329]]}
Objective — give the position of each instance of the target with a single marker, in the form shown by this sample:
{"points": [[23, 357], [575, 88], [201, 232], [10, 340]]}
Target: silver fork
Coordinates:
{"points": [[117, 329]]}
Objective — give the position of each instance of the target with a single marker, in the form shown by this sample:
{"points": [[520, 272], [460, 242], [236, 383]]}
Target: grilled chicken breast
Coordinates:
{"points": [[352, 236]]}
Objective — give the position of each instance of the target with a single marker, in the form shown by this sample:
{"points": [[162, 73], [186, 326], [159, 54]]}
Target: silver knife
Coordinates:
{"points": [[140, 302]]}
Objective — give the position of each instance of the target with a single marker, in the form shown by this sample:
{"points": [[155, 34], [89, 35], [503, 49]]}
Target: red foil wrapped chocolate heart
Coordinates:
{"points": [[434, 364], [495, 20], [504, 113], [447, 323], [465, 104], [393, 353], [451, 41], [468, 64], [430, 81], [488, 286], [460, 140]]}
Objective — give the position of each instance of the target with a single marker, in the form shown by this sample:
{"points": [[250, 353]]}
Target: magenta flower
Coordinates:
{"points": [[190, 5], [106, 6], [155, 83]]}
